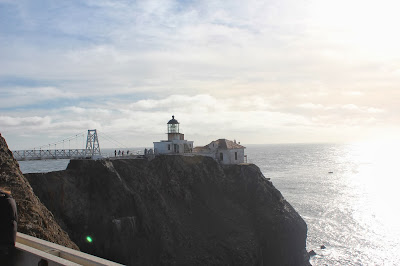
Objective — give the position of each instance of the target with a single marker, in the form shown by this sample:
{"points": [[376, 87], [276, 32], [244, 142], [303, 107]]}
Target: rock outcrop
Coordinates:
{"points": [[174, 210], [33, 217]]}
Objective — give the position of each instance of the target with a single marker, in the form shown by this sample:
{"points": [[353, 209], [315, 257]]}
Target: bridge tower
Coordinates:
{"points": [[92, 143]]}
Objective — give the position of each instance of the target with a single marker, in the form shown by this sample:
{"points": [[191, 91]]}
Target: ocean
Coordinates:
{"points": [[346, 193]]}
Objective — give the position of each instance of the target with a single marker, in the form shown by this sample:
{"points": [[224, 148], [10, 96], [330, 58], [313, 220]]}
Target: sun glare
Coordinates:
{"points": [[376, 180], [368, 25]]}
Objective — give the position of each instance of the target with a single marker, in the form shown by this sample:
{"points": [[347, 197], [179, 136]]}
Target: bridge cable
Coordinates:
{"points": [[61, 141], [119, 144]]}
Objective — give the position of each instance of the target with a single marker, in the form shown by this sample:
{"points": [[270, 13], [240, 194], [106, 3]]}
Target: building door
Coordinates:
{"points": [[176, 148], [221, 156]]}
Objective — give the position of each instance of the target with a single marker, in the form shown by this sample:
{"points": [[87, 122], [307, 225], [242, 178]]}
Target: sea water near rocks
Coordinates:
{"points": [[347, 194]]}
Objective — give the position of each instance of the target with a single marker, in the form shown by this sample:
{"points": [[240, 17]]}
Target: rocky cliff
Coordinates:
{"points": [[174, 210], [33, 217]]}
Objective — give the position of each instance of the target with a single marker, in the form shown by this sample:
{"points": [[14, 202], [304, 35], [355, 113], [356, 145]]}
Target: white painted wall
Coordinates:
{"points": [[240, 156], [162, 146], [212, 146], [228, 155]]}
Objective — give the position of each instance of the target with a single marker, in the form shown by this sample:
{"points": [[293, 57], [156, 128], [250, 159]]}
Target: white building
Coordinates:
{"points": [[176, 144], [224, 151]]}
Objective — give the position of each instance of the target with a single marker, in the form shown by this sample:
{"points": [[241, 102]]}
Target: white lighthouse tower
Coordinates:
{"points": [[176, 143]]}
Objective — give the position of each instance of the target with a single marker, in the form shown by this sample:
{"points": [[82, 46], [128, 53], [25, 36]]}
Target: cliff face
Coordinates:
{"points": [[33, 217], [174, 210]]}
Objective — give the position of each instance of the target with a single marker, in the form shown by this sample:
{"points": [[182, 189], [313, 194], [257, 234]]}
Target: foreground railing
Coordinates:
{"points": [[31, 250]]}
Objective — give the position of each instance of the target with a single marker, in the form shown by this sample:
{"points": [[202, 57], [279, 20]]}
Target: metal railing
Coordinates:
{"points": [[34, 251], [25, 155]]}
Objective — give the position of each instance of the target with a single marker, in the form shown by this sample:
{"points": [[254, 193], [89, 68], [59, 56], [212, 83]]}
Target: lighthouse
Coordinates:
{"points": [[176, 143]]}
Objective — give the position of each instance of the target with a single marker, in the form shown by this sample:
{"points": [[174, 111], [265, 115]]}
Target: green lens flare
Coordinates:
{"points": [[89, 239]]}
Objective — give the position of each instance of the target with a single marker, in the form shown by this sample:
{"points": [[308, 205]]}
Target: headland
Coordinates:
{"points": [[184, 210]]}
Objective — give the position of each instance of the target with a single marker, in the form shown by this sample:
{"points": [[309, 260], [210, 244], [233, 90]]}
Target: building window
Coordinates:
{"points": [[221, 156], [235, 155], [169, 147]]}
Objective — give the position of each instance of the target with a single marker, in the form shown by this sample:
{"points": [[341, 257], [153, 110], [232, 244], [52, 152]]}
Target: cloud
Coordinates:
{"points": [[350, 107], [169, 47], [21, 96], [375, 110], [24, 122], [311, 106], [87, 111], [353, 93], [254, 70], [156, 46]]}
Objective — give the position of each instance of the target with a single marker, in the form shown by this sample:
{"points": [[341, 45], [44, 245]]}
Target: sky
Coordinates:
{"points": [[287, 71]]}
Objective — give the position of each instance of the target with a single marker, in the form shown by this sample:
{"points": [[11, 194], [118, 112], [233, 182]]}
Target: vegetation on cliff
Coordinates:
{"points": [[33, 217], [174, 210]]}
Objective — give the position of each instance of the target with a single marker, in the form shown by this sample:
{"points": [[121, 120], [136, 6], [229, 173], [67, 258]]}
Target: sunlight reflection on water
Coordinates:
{"points": [[351, 211], [375, 186]]}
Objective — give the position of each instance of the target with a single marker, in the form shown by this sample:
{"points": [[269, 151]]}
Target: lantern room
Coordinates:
{"points": [[173, 125]]}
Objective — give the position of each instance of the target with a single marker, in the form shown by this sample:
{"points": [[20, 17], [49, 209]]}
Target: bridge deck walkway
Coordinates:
{"points": [[26, 155]]}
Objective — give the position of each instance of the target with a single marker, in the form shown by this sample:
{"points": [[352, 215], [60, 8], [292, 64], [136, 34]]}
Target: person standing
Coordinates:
{"points": [[115, 153], [8, 226]]}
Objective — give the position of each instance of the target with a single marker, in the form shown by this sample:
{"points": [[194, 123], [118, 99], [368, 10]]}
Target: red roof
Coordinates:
{"points": [[222, 144]]}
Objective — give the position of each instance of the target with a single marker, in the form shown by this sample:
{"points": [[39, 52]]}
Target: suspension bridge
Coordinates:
{"points": [[44, 152]]}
